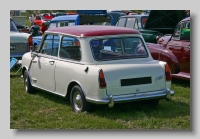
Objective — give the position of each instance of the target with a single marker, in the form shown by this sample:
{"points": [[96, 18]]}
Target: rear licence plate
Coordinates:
{"points": [[12, 47]]}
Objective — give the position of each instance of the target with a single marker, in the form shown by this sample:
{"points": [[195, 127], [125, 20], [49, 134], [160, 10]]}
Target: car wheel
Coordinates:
{"points": [[77, 100], [153, 102], [27, 85]]}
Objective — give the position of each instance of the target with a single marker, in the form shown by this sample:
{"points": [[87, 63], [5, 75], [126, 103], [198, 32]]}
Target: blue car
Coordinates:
{"points": [[86, 17]]}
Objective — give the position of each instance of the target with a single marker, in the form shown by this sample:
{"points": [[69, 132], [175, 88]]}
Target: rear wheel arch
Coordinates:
{"points": [[70, 86], [171, 61], [23, 70]]}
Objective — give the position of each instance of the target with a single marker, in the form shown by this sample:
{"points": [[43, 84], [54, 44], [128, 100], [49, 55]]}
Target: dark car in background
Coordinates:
{"points": [[156, 23], [175, 50], [20, 42]]}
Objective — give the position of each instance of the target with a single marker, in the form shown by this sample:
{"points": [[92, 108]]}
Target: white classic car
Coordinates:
{"points": [[20, 43], [96, 64]]}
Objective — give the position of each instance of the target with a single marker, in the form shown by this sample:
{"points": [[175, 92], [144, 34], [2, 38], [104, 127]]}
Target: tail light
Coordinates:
{"points": [[102, 81], [168, 73], [30, 43]]}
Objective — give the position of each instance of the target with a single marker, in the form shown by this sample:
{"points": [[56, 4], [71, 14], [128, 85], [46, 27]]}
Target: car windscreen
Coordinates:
{"points": [[13, 26], [118, 48]]}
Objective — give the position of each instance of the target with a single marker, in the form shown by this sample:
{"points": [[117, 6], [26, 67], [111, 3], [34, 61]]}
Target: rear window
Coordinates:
{"points": [[118, 48]]}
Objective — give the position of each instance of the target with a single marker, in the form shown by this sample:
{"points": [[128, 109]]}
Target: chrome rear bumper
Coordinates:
{"points": [[142, 96]]}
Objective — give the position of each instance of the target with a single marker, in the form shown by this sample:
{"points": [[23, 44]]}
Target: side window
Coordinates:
{"points": [[182, 31], [177, 32], [70, 48], [55, 45], [50, 45], [121, 22], [130, 22], [134, 46], [185, 31], [52, 25], [62, 24]]}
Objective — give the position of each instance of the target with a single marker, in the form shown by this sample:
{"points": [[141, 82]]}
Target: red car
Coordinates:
{"points": [[175, 50]]}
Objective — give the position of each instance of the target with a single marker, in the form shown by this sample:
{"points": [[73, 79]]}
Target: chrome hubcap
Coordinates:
{"points": [[77, 100]]}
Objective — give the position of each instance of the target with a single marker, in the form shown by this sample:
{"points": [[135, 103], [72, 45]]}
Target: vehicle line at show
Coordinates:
{"points": [[101, 57]]}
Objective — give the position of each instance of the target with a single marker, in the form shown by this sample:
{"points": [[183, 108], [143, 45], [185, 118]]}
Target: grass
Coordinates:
{"points": [[44, 110]]}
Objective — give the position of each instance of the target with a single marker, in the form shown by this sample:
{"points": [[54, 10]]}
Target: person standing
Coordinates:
{"points": [[43, 28], [31, 18], [37, 17], [35, 30]]}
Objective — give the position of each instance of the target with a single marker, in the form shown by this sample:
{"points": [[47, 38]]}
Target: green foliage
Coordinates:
{"points": [[44, 110]]}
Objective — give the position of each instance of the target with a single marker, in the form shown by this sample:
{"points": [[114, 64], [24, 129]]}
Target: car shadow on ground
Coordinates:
{"points": [[183, 83], [165, 109]]}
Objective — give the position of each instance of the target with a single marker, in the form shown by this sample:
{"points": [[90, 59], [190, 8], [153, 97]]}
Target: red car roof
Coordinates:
{"points": [[93, 30]]}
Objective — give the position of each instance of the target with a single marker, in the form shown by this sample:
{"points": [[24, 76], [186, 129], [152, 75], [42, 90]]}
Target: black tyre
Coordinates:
{"points": [[77, 100], [27, 85]]}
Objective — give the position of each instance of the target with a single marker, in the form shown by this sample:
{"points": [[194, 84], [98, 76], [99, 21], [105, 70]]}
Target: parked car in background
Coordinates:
{"points": [[114, 17], [96, 64], [22, 28], [20, 42], [175, 50], [59, 14], [71, 13], [20, 23], [156, 23], [46, 17], [84, 17], [138, 22], [146, 12]]}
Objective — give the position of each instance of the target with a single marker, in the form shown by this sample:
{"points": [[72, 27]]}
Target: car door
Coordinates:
{"points": [[43, 66], [180, 47]]}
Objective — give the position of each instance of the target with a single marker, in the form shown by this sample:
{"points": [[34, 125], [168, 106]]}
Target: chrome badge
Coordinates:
{"points": [[158, 78], [137, 90]]}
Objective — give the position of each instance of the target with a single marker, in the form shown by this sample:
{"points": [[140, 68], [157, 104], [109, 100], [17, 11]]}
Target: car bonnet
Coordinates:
{"points": [[164, 20]]}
